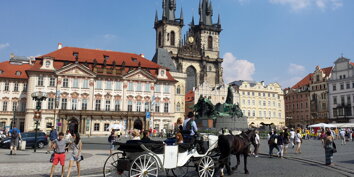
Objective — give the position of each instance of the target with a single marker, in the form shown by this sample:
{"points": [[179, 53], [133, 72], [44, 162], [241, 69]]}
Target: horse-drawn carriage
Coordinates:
{"points": [[146, 159]]}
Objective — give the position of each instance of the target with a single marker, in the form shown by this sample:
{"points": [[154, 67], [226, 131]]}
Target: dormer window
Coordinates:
{"points": [[134, 60], [106, 57], [162, 72], [18, 73], [76, 54], [47, 63], [1, 71]]}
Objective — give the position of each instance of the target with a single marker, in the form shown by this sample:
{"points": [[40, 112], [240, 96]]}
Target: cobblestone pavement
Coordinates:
{"points": [[26, 163]]}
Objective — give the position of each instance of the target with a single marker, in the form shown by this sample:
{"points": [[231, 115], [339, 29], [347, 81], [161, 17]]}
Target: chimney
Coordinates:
{"points": [[142, 55], [60, 45]]}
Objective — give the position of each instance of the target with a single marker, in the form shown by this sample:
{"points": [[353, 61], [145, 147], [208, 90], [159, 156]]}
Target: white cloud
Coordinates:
{"points": [[297, 5], [237, 69], [296, 69], [3, 46]]}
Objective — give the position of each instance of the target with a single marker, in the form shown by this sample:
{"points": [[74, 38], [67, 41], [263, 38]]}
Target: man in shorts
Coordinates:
{"points": [[15, 136], [59, 153]]}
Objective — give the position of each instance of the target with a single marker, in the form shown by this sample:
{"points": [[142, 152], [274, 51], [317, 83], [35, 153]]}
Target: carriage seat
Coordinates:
{"points": [[133, 146], [184, 147]]}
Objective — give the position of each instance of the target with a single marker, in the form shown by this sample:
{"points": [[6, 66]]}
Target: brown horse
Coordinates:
{"points": [[236, 145]]}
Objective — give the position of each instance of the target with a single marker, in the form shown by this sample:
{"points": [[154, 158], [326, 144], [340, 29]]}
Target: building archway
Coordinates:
{"points": [[191, 78], [138, 124], [73, 125]]}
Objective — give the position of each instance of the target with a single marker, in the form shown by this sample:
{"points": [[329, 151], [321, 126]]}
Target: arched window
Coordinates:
{"points": [[210, 42], [172, 41], [191, 78], [159, 39], [178, 90], [178, 107]]}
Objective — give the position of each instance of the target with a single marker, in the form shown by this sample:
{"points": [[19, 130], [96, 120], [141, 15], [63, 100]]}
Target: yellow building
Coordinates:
{"points": [[260, 103]]}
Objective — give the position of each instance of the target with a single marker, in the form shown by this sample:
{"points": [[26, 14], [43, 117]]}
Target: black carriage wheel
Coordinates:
{"points": [[206, 167], [110, 168], [184, 170]]}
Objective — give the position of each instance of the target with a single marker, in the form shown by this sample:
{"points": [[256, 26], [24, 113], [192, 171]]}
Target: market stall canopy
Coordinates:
{"points": [[115, 127], [344, 125], [323, 125]]}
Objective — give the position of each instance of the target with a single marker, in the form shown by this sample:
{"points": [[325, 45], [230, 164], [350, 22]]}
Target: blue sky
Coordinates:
{"points": [[271, 40]]}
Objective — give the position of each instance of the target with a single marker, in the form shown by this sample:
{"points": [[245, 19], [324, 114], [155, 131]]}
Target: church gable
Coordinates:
{"points": [[75, 70], [139, 75]]}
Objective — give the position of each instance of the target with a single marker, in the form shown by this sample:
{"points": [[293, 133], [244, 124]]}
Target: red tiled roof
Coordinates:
{"points": [[189, 96], [8, 70], [305, 81], [327, 70], [89, 55]]}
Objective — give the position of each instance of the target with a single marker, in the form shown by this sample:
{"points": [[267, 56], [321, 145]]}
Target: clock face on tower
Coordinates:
{"points": [[190, 39]]}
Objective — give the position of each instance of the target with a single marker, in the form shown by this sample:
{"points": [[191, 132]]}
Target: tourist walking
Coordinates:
{"points": [[280, 143], [67, 138], [272, 143], [15, 137], [329, 147], [286, 141], [292, 137], [298, 142], [112, 140], [342, 136], [76, 147], [53, 135], [256, 145], [59, 154]]}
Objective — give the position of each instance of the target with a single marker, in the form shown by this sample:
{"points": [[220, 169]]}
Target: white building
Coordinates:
{"points": [[260, 103], [215, 94], [88, 90], [341, 91]]}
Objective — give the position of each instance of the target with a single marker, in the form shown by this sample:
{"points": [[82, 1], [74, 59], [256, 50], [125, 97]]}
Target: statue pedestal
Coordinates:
{"points": [[205, 123], [231, 123]]}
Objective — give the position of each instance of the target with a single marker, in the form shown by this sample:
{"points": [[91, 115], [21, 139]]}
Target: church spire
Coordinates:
{"points": [[169, 8], [205, 12], [219, 21], [156, 17], [192, 23]]}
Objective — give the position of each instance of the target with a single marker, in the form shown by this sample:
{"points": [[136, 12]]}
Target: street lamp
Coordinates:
{"points": [[38, 97]]}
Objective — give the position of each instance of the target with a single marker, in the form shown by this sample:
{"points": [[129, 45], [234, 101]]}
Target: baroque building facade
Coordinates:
{"points": [[341, 91], [196, 54], [261, 104], [89, 90]]}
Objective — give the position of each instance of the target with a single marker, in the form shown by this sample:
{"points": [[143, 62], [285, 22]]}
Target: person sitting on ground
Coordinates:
{"points": [[146, 137], [135, 134]]}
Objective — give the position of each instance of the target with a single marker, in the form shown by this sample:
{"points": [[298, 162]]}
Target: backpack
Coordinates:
{"points": [[110, 138], [188, 129], [14, 134]]}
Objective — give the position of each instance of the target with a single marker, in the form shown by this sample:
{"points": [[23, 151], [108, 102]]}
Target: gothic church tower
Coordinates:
{"points": [[197, 53]]}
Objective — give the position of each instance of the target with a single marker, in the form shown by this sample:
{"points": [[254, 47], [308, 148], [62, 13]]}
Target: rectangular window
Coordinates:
{"points": [[147, 106], [108, 85], [117, 105], [65, 82], [108, 105], [260, 113], [260, 103], [85, 84], [353, 85], [50, 103], [74, 104], [14, 106], [52, 82], [253, 113], [157, 107], [98, 84], [23, 106], [166, 89], [147, 87], [264, 103], [130, 86], [25, 87], [118, 86], [130, 106], [75, 83], [16, 87], [7, 85], [342, 86], [98, 105], [348, 99], [64, 103], [253, 102], [334, 88], [138, 106], [84, 104], [96, 127], [248, 102], [138, 87], [165, 108], [40, 81], [157, 88], [4, 106], [342, 100], [348, 85], [279, 114], [106, 127]]}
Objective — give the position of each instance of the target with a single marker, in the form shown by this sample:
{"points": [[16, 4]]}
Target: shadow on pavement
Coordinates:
{"points": [[347, 161]]}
